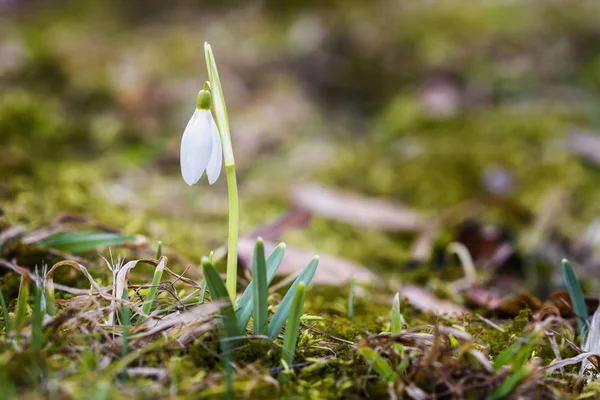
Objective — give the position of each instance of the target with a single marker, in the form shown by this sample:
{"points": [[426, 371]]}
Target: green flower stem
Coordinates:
{"points": [[234, 221], [222, 121]]}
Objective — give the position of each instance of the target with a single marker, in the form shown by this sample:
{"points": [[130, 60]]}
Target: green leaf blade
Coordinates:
{"points": [[76, 242], [379, 364], [245, 303], [396, 317], [293, 325], [5, 314], [351, 298], [397, 321], [260, 290], [21, 308], [576, 295], [278, 319], [151, 295], [217, 289], [37, 320]]}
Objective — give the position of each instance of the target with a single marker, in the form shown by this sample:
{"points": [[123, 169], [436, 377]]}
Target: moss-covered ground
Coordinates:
{"points": [[475, 114]]}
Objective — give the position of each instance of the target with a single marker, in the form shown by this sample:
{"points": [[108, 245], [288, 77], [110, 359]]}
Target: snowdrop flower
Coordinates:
{"points": [[201, 148]]}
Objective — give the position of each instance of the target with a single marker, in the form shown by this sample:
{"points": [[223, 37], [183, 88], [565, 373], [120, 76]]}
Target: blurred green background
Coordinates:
{"points": [[428, 103]]}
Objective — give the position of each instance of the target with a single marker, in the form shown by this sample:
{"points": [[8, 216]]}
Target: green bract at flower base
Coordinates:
{"points": [[201, 148]]}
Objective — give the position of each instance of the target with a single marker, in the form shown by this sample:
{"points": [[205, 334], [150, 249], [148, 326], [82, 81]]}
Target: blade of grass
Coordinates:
{"points": [[149, 300], [5, 315], [396, 317], [576, 295], [75, 242], [202, 291], [260, 290], [203, 286], [351, 298], [283, 310], [37, 320], [245, 303], [50, 303], [293, 325], [159, 251], [379, 364], [511, 381], [228, 327], [506, 355], [21, 309], [397, 321], [518, 353], [217, 289], [125, 322]]}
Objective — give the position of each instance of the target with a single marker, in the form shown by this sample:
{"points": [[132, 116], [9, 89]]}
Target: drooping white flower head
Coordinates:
{"points": [[201, 148]]}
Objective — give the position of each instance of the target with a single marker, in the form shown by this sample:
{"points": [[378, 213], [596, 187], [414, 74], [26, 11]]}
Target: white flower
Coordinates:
{"points": [[201, 148]]}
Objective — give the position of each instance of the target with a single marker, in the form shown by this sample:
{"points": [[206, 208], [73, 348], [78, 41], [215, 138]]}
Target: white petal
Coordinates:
{"points": [[213, 170], [196, 146]]}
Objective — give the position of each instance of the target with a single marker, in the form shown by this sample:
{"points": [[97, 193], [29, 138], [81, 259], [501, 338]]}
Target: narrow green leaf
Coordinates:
{"points": [[202, 291], [159, 251], [244, 305], [228, 326], [351, 298], [510, 383], [5, 315], [125, 322], [453, 341], [506, 355], [293, 325], [397, 321], [260, 289], [217, 289], [151, 296], [216, 286], [576, 295], [203, 286], [379, 364], [283, 310], [75, 242], [21, 309], [396, 317], [50, 302], [37, 320], [522, 356], [518, 353]]}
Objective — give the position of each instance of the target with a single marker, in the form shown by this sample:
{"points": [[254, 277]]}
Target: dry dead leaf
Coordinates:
{"points": [[562, 300], [514, 305], [332, 270], [291, 220], [425, 301], [547, 310], [483, 297], [586, 145], [358, 210]]}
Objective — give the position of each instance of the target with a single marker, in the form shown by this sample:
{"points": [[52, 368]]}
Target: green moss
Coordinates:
{"points": [[496, 341], [76, 140]]}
